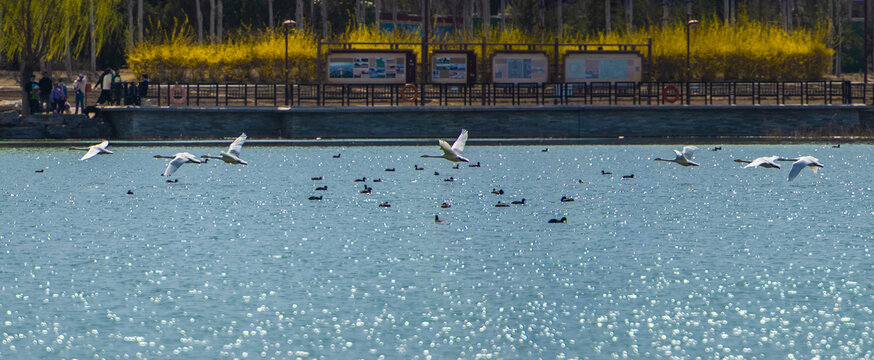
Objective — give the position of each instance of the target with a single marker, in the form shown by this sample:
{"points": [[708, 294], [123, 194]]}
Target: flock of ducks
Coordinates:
{"points": [[451, 153]]}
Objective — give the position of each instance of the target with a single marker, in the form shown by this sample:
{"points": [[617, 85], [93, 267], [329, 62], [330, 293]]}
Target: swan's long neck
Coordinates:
{"points": [[164, 157], [742, 161], [211, 157], [79, 148], [668, 160], [433, 156]]}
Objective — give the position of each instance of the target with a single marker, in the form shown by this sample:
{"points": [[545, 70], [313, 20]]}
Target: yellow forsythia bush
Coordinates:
{"points": [[746, 50]]}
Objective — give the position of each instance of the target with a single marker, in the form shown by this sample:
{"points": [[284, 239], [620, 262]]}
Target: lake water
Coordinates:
{"points": [[713, 261]]}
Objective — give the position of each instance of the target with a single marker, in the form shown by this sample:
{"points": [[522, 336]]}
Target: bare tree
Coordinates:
{"points": [[377, 9], [140, 21], [560, 19], [211, 21], [324, 6], [298, 15], [487, 17], [607, 16], [199, 21], [92, 29], [629, 15], [270, 14], [219, 22], [130, 24]]}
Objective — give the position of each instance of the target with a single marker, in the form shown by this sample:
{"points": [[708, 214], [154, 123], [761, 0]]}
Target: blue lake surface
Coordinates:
{"points": [[714, 261]]}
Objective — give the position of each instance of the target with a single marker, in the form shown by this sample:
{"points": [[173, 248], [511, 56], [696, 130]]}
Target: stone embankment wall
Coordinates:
{"points": [[546, 122], [52, 126]]}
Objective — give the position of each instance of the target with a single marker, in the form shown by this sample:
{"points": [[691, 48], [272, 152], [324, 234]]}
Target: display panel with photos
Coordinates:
{"points": [[520, 67], [453, 67], [585, 66], [371, 67]]}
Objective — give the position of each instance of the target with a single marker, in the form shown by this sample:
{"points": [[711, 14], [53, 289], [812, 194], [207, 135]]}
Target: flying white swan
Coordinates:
{"points": [[801, 163], [765, 162], [232, 156], [452, 153], [94, 150], [683, 158], [178, 160]]}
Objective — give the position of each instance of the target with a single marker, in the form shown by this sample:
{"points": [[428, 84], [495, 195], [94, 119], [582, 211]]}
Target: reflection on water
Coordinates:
{"points": [[713, 261]]}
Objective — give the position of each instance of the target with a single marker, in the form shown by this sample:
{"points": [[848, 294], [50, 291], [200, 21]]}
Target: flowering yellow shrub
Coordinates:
{"points": [[747, 50]]}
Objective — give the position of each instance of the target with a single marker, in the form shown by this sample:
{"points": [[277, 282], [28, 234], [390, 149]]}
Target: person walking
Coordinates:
{"points": [[143, 90], [45, 92], [117, 87], [79, 90], [105, 82]]}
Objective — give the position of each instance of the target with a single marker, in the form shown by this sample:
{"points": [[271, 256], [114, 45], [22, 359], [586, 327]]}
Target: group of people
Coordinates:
{"points": [[47, 96]]}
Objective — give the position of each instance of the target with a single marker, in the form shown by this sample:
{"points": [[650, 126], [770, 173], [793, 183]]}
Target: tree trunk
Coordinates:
{"points": [[68, 57], [219, 21], [324, 7], [130, 24], [298, 15], [199, 13], [358, 13], [487, 17], [726, 12], [394, 15], [607, 16], [466, 23], [503, 14], [377, 9], [93, 35], [665, 14], [140, 21], [270, 14], [560, 17], [211, 21], [629, 16]]}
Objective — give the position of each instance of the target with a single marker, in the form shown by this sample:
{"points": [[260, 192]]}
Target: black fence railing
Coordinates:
{"points": [[591, 93]]}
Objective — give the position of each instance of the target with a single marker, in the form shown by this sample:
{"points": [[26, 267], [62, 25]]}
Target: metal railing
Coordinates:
{"points": [[591, 93]]}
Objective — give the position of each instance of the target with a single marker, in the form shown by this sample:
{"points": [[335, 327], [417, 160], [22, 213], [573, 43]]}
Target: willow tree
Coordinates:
{"points": [[39, 30]]}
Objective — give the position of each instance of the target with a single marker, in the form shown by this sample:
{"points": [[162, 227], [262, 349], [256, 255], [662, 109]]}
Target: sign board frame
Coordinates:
{"points": [[370, 66], [453, 67], [602, 66], [519, 67]]}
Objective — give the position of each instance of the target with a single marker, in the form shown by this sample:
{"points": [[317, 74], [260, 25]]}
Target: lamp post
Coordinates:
{"points": [[288, 25], [689, 24]]}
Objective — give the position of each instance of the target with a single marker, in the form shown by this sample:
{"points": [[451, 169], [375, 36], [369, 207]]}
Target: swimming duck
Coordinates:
{"points": [[566, 199], [518, 202], [317, 178], [558, 221], [445, 205], [498, 192], [322, 188], [385, 205], [315, 198], [474, 165], [438, 219], [502, 204], [628, 176]]}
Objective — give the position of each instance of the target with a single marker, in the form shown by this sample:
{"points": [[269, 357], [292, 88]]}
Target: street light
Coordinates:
{"points": [[288, 25], [689, 24]]}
